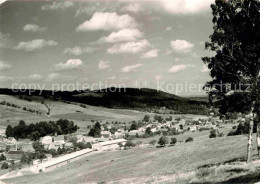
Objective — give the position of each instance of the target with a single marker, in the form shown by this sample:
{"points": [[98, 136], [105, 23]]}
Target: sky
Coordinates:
{"points": [[70, 45]]}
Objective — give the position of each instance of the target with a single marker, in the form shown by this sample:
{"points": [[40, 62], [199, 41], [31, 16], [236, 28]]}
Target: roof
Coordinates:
{"points": [[116, 141], [63, 158], [15, 152]]}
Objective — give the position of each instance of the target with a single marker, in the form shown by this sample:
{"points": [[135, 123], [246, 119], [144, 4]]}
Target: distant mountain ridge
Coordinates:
{"points": [[130, 98]]}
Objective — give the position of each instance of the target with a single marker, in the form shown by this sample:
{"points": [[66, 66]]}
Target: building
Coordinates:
{"points": [[108, 145], [63, 160], [105, 134], [11, 140], [46, 140], [14, 155], [193, 128], [59, 138], [26, 147], [88, 139]]}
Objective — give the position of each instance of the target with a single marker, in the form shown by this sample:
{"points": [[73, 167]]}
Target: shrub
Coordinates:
{"points": [[129, 144], [173, 141], [189, 139], [163, 141], [213, 134], [4, 165]]}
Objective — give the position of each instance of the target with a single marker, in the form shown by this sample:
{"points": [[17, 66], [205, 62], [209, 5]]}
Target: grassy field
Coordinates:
{"points": [[147, 164]]}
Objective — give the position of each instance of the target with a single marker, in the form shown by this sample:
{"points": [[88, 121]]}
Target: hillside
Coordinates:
{"points": [[183, 163], [129, 98]]}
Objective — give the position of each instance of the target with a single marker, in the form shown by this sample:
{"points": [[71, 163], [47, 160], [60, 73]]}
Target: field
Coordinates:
{"points": [[72, 111], [146, 164]]}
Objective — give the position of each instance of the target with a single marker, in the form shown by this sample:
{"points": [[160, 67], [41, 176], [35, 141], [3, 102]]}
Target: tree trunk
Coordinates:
{"points": [[249, 146], [258, 139]]}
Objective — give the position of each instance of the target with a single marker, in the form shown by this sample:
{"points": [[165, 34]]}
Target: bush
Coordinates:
{"points": [[163, 141], [213, 134], [129, 144], [189, 139], [173, 141], [4, 165]]}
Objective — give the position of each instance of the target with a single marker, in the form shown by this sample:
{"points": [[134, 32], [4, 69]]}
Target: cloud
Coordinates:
{"points": [[150, 54], [204, 69], [4, 40], [112, 77], [35, 45], [135, 8], [131, 68], [53, 76], [70, 64], [185, 6], [181, 46], [102, 65], [34, 28], [34, 77], [57, 5], [178, 68], [122, 35], [158, 77], [4, 65], [77, 50], [129, 47], [107, 21]]}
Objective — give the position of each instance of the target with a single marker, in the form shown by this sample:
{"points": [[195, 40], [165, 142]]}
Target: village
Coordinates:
{"points": [[58, 150]]}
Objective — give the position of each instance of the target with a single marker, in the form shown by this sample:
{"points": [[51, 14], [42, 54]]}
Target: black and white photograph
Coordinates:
{"points": [[129, 91]]}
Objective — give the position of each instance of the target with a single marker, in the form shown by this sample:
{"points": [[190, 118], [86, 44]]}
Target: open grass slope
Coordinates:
{"points": [[144, 165]]}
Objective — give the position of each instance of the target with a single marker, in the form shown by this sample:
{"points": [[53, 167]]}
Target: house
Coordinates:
{"points": [[118, 135], [46, 140], [108, 145], [55, 145], [59, 138], [79, 138], [193, 128], [141, 129], [11, 140], [26, 147], [14, 155], [68, 145], [105, 134], [88, 139], [135, 132], [2, 146]]}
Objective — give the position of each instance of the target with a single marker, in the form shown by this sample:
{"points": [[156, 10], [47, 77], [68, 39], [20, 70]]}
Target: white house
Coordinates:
{"points": [[46, 140]]}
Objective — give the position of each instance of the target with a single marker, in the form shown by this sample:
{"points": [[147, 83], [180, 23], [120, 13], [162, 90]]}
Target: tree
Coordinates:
{"points": [[148, 131], [173, 141], [129, 144], [235, 66], [213, 134], [189, 139], [2, 157], [4, 165], [163, 141], [9, 132], [146, 118], [133, 126], [95, 131]]}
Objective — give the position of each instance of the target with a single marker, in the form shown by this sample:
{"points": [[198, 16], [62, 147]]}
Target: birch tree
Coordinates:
{"points": [[235, 66]]}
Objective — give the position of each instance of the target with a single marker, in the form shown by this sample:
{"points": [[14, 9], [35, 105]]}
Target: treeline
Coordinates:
{"points": [[18, 107], [43, 128], [242, 128]]}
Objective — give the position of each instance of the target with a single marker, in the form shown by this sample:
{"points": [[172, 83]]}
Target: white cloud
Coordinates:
{"points": [[169, 28], [112, 77], [135, 8], [4, 40], [107, 21], [70, 64], [34, 28], [158, 77], [4, 65], [77, 50], [53, 76], [150, 54], [122, 35], [204, 69], [129, 47], [57, 5], [131, 68], [35, 44], [186, 6], [181, 46], [178, 68], [102, 65], [34, 77]]}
